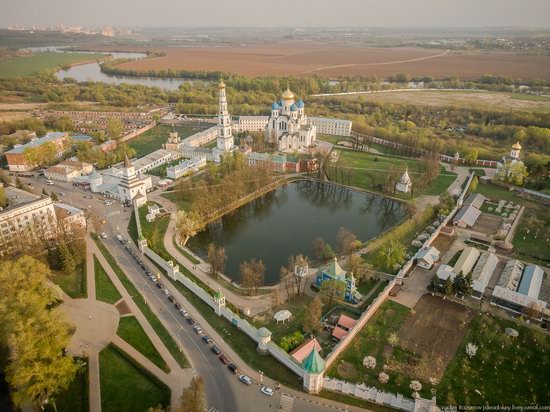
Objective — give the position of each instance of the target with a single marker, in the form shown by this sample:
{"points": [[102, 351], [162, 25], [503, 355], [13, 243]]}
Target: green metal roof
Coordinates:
{"points": [[314, 363], [334, 270]]}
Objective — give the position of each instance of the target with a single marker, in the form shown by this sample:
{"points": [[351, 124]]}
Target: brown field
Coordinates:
{"points": [[333, 60], [444, 98], [435, 332]]}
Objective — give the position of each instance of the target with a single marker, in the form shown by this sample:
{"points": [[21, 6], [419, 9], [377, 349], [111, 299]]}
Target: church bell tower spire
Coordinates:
{"points": [[225, 136]]}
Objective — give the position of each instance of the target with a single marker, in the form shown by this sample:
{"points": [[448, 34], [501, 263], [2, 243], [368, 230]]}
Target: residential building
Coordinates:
{"points": [[426, 258], [17, 157], [250, 123], [185, 167], [338, 127], [67, 170]]}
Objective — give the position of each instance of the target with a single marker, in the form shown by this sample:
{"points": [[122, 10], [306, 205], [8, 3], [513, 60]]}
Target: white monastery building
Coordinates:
{"points": [[287, 127]]}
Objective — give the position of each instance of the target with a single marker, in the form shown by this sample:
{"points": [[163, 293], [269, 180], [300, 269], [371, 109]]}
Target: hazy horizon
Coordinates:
{"points": [[412, 14]]}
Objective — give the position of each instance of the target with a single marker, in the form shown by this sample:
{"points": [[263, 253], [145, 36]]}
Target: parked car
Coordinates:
{"points": [[197, 329], [49, 182], [233, 368], [61, 193], [120, 238], [165, 291], [103, 235], [190, 321], [215, 350], [224, 359], [183, 311], [171, 298], [153, 278], [177, 305], [267, 391], [159, 285], [245, 379], [206, 339]]}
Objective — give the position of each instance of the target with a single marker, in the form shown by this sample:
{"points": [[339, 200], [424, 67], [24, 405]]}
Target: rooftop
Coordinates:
{"points": [[18, 197], [50, 137]]}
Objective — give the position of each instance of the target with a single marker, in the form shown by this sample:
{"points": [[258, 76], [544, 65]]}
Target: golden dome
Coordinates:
{"points": [[288, 95], [517, 146], [221, 85]]}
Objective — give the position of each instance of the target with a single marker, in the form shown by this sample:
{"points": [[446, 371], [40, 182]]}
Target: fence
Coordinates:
{"points": [[370, 394], [442, 157]]}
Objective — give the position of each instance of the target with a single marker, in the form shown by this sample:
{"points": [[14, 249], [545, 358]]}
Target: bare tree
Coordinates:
{"points": [[216, 258], [252, 275], [347, 241], [318, 247]]}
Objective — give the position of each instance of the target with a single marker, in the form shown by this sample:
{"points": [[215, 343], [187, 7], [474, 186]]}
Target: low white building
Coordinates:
{"points": [[155, 159], [482, 273], [338, 127], [68, 170], [186, 167], [152, 212], [250, 123], [466, 261], [426, 258]]}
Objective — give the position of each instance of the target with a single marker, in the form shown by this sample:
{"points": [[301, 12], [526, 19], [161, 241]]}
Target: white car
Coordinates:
{"points": [[245, 379], [103, 235], [165, 291], [267, 391]]}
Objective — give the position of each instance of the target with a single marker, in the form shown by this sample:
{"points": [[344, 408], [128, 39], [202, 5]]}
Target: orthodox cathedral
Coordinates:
{"points": [[288, 126]]}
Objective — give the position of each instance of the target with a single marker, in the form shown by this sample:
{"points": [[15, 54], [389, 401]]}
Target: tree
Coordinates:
{"points": [[369, 362], [328, 253], [332, 289], [517, 174], [54, 197], [448, 286], [193, 398], [3, 197], [187, 225], [312, 320], [286, 278], [391, 253], [252, 275], [318, 248], [216, 258], [471, 157], [471, 349], [68, 261], [347, 241], [473, 184], [38, 367], [297, 265], [114, 128]]}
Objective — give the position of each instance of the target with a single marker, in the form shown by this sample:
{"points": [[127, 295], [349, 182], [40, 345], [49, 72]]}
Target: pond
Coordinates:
{"points": [[285, 221]]}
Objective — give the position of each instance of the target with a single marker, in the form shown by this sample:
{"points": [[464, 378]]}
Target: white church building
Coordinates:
{"points": [[288, 127]]}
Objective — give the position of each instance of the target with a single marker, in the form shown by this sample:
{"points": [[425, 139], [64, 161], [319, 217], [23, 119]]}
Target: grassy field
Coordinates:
{"points": [[74, 284], [104, 288], [372, 340], [534, 222], [25, 66], [131, 331], [154, 232], [159, 328], [161, 170], [506, 371], [126, 386], [369, 171], [153, 139], [459, 98]]}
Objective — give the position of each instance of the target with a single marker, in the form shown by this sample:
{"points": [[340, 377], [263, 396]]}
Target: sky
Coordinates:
{"points": [[277, 13]]}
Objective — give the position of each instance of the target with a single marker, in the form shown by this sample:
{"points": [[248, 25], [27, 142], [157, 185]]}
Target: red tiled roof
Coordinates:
{"points": [[346, 322], [301, 352], [339, 333]]}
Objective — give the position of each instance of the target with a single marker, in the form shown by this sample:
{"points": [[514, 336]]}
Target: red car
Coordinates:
{"points": [[224, 359]]}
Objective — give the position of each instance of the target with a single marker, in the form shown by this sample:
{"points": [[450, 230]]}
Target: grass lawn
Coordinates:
{"points": [[332, 138], [74, 284], [104, 288], [131, 331], [185, 253], [153, 139], [366, 286], [350, 400], [373, 340], [154, 232], [369, 171], [174, 198], [377, 289], [25, 66], [159, 328], [507, 371], [160, 171], [532, 238], [126, 385], [76, 397]]}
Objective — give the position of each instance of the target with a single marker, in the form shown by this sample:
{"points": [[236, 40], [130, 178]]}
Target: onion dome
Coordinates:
{"points": [[293, 108], [300, 104], [517, 146], [274, 106], [288, 95], [221, 85]]}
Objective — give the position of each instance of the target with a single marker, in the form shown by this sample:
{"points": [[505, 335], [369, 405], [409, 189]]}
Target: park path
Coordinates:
{"points": [[178, 378], [93, 355]]}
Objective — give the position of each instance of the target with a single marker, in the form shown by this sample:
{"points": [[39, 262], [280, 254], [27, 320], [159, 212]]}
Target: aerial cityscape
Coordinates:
{"points": [[238, 206]]}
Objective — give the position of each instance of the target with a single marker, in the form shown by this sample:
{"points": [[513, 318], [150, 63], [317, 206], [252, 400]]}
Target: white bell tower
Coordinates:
{"points": [[514, 153], [225, 137]]}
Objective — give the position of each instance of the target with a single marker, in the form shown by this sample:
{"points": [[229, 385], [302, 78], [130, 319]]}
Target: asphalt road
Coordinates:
{"points": [[224, 391]]}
